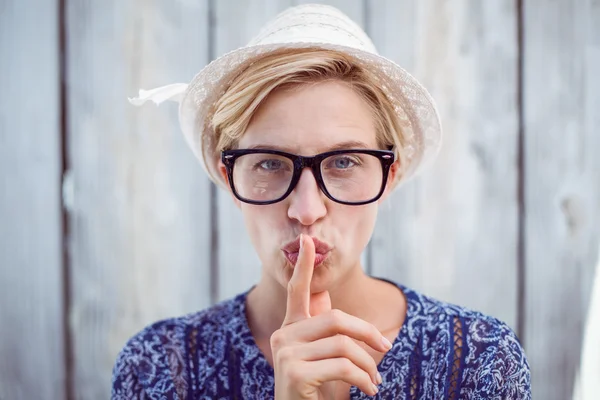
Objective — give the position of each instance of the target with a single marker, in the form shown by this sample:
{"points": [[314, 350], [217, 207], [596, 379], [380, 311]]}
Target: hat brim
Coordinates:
{"points": [[416, 110]]}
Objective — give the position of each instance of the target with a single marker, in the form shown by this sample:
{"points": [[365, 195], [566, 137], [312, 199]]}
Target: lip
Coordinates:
{"points": [[292, 249]]}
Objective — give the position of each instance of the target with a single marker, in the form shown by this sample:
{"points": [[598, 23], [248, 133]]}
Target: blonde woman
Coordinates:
{"points": [[310, 130]]}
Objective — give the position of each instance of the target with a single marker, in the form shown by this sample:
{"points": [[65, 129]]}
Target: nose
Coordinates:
{"points": [[307, 201]]}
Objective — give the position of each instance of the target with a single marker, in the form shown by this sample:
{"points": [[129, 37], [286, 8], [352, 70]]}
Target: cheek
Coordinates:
{"points": [[266, 226], [354, 227]]}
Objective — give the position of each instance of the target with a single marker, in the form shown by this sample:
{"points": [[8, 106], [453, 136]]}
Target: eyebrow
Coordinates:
{"points": [[349, 144]]}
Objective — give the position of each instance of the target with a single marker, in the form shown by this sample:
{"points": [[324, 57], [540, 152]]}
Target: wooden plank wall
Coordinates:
{"points": [[139, 243], [235, 23], [561, 104], [453, 233], [239, 266], [507, 221], [31, 268]]}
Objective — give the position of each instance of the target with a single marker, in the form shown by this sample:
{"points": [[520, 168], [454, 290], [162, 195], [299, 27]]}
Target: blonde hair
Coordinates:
{"points": [[234, 110]]}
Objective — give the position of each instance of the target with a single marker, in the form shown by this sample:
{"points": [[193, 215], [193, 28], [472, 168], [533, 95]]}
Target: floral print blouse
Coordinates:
{"points": [[442, 351]]}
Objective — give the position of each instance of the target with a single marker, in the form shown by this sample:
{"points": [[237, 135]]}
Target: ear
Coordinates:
{"points": [[392, 175], [223, 172]]}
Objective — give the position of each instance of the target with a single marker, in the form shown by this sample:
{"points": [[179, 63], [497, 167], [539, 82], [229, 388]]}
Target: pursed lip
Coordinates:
{"points": [[292, 249]]}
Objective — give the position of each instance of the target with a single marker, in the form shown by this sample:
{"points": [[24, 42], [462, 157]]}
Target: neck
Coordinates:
{"points": [[356, 294]]}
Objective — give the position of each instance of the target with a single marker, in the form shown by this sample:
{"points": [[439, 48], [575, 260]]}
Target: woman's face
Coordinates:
{"points": [[308, 120]]}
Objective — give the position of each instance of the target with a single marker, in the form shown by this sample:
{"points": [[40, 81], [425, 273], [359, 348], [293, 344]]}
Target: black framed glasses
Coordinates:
{"points": [[352, 177]]}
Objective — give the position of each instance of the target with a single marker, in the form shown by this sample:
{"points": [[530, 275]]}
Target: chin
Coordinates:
{"points": [[320, 285], [324, 278]]}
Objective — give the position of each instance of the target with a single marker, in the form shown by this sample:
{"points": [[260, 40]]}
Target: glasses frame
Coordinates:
{"points": [[228, 157]]}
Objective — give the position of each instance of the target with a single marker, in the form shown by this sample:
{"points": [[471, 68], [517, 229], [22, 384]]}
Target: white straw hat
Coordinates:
{"points": [[305, 26]]}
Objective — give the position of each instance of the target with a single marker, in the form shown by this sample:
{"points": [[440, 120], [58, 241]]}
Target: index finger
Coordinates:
{"points": [[298, 289]]}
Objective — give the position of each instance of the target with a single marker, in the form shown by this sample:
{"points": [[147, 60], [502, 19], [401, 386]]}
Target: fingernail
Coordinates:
{"points": [[386, 343], [379, 379], [375, 389], [301, 241]]}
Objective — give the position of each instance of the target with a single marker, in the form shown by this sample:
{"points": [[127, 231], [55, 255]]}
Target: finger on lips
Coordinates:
{"points": [[298, 296], [321, 348]]}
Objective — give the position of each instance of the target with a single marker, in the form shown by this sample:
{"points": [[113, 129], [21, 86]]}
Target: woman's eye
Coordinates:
{"points": [[342, 163], [270, 165]]}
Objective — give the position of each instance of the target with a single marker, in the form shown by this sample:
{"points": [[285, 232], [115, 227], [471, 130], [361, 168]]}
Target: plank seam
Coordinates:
{"points": [[521, 262], [213, 194], [64, 211], [366, 19]]}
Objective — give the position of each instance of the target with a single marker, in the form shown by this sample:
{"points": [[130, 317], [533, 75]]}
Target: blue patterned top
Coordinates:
{"points": [[442, 351]]}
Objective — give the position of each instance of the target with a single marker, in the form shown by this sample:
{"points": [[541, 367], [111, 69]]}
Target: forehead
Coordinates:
{"points": [[310, 119]]}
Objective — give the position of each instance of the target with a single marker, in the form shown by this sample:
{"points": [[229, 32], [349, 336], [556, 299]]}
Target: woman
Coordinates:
{"points": [[310, 131]]}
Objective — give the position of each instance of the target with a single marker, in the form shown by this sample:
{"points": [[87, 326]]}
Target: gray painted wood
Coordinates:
{"points": [[139, 216], [355, 9], [562, 175], [31, 313], [236, 24], [452, 232], [138, 202], [239, 265]]}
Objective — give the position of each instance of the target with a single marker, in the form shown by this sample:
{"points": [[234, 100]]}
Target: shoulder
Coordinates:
{"points": [[434, 315], [172, 334], [482, 353], [156, 358]]}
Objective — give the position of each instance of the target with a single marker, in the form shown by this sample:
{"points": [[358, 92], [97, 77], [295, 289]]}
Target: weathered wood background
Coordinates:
{"points": [[107, 222]]}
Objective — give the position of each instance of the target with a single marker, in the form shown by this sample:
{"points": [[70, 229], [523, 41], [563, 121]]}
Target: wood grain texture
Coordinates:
{"points": [[31, 313], [139, 245], [239, 266], [562, 175], [355, 9], [236, 24], [138, 202], [452, 233]]}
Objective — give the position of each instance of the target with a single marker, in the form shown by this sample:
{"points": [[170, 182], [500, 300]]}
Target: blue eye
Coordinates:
{"points": [[343, 163], [270, 165]]}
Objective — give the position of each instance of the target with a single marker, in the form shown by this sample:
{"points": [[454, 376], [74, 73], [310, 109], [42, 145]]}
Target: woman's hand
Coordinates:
{"points": [[310, 352]]}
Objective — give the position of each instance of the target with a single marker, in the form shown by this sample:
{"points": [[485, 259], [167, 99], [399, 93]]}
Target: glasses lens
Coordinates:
{"points": [[262, 176], [352, 177]]}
